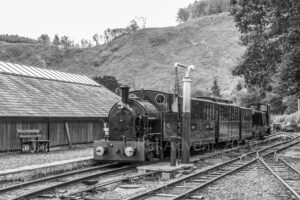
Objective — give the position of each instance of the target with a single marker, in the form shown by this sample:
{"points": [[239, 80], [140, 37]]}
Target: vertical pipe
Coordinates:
{"points": [[186, 110], [48, 133], [298, 104], [173, 151]]}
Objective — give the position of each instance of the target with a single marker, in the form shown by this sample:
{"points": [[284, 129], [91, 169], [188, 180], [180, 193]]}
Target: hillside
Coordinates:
{"points": [[146, 58]]}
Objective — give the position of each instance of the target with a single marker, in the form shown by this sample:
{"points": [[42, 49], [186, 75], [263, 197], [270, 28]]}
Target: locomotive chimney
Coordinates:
{"points": [[125, 91], [170, 103]]}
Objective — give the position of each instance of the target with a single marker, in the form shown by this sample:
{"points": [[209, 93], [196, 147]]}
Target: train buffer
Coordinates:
{"points": [[31, 142]]}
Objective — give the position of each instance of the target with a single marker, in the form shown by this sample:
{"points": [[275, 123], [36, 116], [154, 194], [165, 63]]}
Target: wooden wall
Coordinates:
{"points": [[81, 131]]}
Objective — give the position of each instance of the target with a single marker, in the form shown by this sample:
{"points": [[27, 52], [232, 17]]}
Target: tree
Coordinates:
{"points": [[56, 40], [182, 15], [16, 39], [96, 38], [84, 43], [216, 89], [239, 87], [66, 42], [110, 82], [44, 39], [133, 26], [271, 32]]}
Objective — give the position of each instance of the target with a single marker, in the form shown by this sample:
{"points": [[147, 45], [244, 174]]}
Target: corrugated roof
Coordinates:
{"points": [[28, 71], [28, 96]]}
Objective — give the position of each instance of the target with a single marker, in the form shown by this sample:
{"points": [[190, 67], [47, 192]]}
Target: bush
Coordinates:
{"points": [[293, 118], [16, 39], [201, 8]]}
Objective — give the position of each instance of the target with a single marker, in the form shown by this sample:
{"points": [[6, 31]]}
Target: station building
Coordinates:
{"points": [[66, 108]]}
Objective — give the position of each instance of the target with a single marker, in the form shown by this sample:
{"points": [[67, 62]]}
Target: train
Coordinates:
{"points": [[142, 124]]}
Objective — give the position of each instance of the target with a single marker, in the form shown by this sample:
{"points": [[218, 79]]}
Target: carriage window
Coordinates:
{"points": [[160, 99], [204, 111], [212, 112], [233, 113], [208, 111], [193, 110], [193, 127], [201, 110]]}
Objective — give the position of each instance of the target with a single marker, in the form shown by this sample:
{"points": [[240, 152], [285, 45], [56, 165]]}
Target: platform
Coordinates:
{"points": [[27, 173]]}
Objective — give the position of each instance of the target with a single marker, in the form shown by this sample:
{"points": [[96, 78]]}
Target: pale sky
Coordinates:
{"points": [[83, 18]]}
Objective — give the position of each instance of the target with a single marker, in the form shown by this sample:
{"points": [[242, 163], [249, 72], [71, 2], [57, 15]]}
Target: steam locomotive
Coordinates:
{"points": [[141, 125]]}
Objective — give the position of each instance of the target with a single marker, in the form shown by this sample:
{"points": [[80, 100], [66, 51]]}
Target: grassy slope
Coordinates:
{"points": [[146, 58]]}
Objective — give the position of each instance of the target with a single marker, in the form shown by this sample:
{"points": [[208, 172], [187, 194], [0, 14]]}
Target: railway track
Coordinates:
{"points": [[184, 188], [36, 192], [288, 176], [20, 191], [80, 192]]}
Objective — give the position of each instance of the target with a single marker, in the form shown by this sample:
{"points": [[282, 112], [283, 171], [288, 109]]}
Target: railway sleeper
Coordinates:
{"points": [[165, 195]]}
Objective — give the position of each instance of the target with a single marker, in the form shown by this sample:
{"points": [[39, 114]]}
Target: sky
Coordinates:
{"points": [[83, 18]]}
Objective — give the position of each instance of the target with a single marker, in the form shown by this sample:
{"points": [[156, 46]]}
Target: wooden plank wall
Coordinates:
{"points": [[81, 132]]}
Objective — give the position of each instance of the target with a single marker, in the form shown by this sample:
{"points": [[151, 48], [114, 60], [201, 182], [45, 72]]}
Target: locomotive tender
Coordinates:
{"points": [[141, 125]]}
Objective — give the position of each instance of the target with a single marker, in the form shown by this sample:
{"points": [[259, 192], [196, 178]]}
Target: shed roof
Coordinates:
{"points": [[29, 95]]}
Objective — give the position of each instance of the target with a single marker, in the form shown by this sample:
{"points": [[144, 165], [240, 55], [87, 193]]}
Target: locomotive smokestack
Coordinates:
{"points": [[125, 91], [170, 103]]}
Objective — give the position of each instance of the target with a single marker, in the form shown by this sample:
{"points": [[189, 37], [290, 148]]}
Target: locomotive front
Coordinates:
{"points": [[126, 137]]}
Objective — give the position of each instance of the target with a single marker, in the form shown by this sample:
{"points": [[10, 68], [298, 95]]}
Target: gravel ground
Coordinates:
{"points": [[293, 152], [12, 161], [254, 184]]}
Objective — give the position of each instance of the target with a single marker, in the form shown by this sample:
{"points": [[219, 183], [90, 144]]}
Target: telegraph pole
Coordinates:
{"points": [[186, 112]]}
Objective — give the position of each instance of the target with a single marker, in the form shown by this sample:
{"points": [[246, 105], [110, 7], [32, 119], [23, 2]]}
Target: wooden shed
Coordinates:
{"points": [[62, 106]]}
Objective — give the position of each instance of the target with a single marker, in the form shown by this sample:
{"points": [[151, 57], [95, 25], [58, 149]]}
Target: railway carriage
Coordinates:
{"points": [[142, 124]]}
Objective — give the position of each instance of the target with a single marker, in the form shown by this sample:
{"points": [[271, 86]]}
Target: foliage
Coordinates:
{"points": [[239, 86], [111, 34], [110, 82], [44, 39], [293, 118], [182, 15], [202, 8], [56, 40], [16, 39], [246, 96], [66, 42], [215, 89], [85, 43], [271, 32], [96, 39]]}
